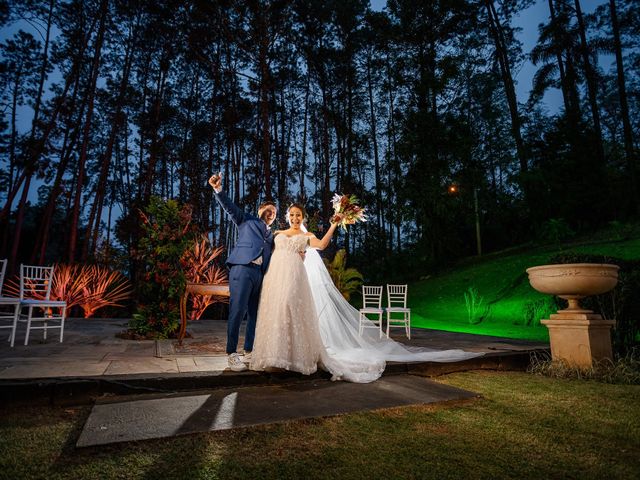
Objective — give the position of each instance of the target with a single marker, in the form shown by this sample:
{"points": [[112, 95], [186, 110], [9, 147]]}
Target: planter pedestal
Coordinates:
{"points": [[579, 338]]}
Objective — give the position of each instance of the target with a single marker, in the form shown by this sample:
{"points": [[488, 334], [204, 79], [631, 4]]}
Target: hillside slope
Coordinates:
{"points": [[507, 305]]}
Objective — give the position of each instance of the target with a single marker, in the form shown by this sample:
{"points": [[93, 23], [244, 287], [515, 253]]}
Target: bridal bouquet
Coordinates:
{"points": [[347, 206]]}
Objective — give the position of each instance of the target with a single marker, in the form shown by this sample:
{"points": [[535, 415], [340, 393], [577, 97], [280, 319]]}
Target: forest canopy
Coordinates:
{"points": [[413, 109]]}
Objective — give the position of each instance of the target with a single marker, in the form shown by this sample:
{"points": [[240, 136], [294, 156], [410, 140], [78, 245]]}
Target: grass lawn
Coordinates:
{"points": [[501, 282], [524, 426]]}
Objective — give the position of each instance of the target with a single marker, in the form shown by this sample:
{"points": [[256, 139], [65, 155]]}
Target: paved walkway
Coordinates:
{"points": [[115, 420], [154, 389], [91, 349]]}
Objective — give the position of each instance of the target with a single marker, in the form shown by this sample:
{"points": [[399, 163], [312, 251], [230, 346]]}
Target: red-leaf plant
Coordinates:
{"points": [[90, 287], [199, 264]]}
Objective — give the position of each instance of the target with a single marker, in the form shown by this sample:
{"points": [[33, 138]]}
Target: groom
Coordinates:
{"points": [[247, 262]]}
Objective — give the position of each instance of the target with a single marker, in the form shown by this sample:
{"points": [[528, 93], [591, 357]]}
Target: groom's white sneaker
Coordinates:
{"points": [[247, 357], [235, 363]]}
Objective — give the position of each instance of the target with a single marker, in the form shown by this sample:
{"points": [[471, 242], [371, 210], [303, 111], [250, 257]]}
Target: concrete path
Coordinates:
{"points": [[91, 349], [93, 362], [221, 409]]}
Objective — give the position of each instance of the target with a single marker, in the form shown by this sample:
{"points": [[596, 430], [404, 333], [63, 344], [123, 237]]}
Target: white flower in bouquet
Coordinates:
{"points": [[347, 206]]}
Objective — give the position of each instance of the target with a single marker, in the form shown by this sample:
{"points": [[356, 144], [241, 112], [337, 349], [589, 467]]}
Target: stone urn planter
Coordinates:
{"points": [[577, 336]]}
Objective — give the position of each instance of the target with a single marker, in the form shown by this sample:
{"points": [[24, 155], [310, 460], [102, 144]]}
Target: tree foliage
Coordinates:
{"points": [[109, 103]]}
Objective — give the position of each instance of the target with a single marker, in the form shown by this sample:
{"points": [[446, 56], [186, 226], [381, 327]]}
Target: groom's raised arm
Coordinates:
{"points": [[235, 213]]}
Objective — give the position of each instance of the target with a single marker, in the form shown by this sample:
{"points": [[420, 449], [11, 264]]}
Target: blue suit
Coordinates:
{"points": [[245, 278]]}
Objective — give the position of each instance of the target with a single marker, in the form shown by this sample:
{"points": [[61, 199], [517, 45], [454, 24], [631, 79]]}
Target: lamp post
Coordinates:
{"points": [[453, 189], [477, 215]]}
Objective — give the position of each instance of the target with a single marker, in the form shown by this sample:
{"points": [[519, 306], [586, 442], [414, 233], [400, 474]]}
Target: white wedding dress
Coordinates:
{"points": [[287, 334], [368, 353], [305, 322]]}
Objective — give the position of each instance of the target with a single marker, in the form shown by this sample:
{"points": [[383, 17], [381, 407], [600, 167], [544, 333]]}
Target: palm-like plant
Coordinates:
{"points": [[200, 267], [90, 287], [103, 288], [557, 53], [346, 280], [69, 284]]}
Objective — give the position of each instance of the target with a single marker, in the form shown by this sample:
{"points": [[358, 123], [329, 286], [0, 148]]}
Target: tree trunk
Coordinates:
{"points": [[507, 79], [570, 111], [326, 174], [90, 240], [349, 136], [624, 109], [567, 77], [66, 152], [42, 142], [374, 140], [75, 215], [265, 87], [303, 161], [12, 166], [148, 179], [14, 131], [392, 146], [43, 72], [591, 84]]}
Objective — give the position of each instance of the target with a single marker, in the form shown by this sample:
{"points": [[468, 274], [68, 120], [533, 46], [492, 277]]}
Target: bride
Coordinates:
{"points": [[305, 322], [287, 329]]}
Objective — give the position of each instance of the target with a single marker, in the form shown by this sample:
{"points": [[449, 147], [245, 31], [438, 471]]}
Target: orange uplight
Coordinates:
{"points": [[453, 189]]}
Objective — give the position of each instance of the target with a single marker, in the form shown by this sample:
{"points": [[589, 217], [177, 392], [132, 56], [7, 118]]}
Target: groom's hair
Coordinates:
{"points": [[264, 205]]}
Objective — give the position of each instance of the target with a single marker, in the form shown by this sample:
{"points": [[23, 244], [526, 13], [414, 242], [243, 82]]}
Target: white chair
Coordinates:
{"points": [[35, 282], [9, 307], [371, 305], [397, 304]]}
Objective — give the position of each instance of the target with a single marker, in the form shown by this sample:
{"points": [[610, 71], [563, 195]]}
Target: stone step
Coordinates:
{"points": [[85, 390], [144, 417]]}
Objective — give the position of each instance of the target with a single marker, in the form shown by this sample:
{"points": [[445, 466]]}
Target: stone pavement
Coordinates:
{"points": [[92, 361], [158, 416]]}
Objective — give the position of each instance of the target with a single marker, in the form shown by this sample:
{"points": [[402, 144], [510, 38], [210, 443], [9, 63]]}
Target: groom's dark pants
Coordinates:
{"points": [[245, 282]]}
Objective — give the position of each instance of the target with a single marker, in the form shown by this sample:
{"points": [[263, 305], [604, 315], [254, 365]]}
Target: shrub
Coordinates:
{"points": [[167, 233], [347, 280], [624, 370], [556, 230], [473, 301], [536, 310], [105, 288], [621, 231]]}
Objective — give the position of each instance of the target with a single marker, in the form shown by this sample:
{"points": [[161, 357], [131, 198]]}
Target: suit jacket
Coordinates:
{"points": [[254, 237]]}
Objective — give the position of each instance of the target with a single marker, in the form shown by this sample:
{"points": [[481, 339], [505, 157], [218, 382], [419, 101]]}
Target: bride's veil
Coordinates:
{"points": [[339, 322]]}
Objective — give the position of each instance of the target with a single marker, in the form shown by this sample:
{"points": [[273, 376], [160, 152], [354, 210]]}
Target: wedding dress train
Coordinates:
{"points": [[304, 323], [360, 358]]}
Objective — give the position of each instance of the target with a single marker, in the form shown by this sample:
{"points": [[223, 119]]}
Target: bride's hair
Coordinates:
{"points": [[299, 207]]}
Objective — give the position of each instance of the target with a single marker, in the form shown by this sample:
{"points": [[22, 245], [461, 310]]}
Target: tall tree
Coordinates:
{"points": [[624, 107], [592, 81], [93, 224], [91, 92], [21, 57], [500, 39]]}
